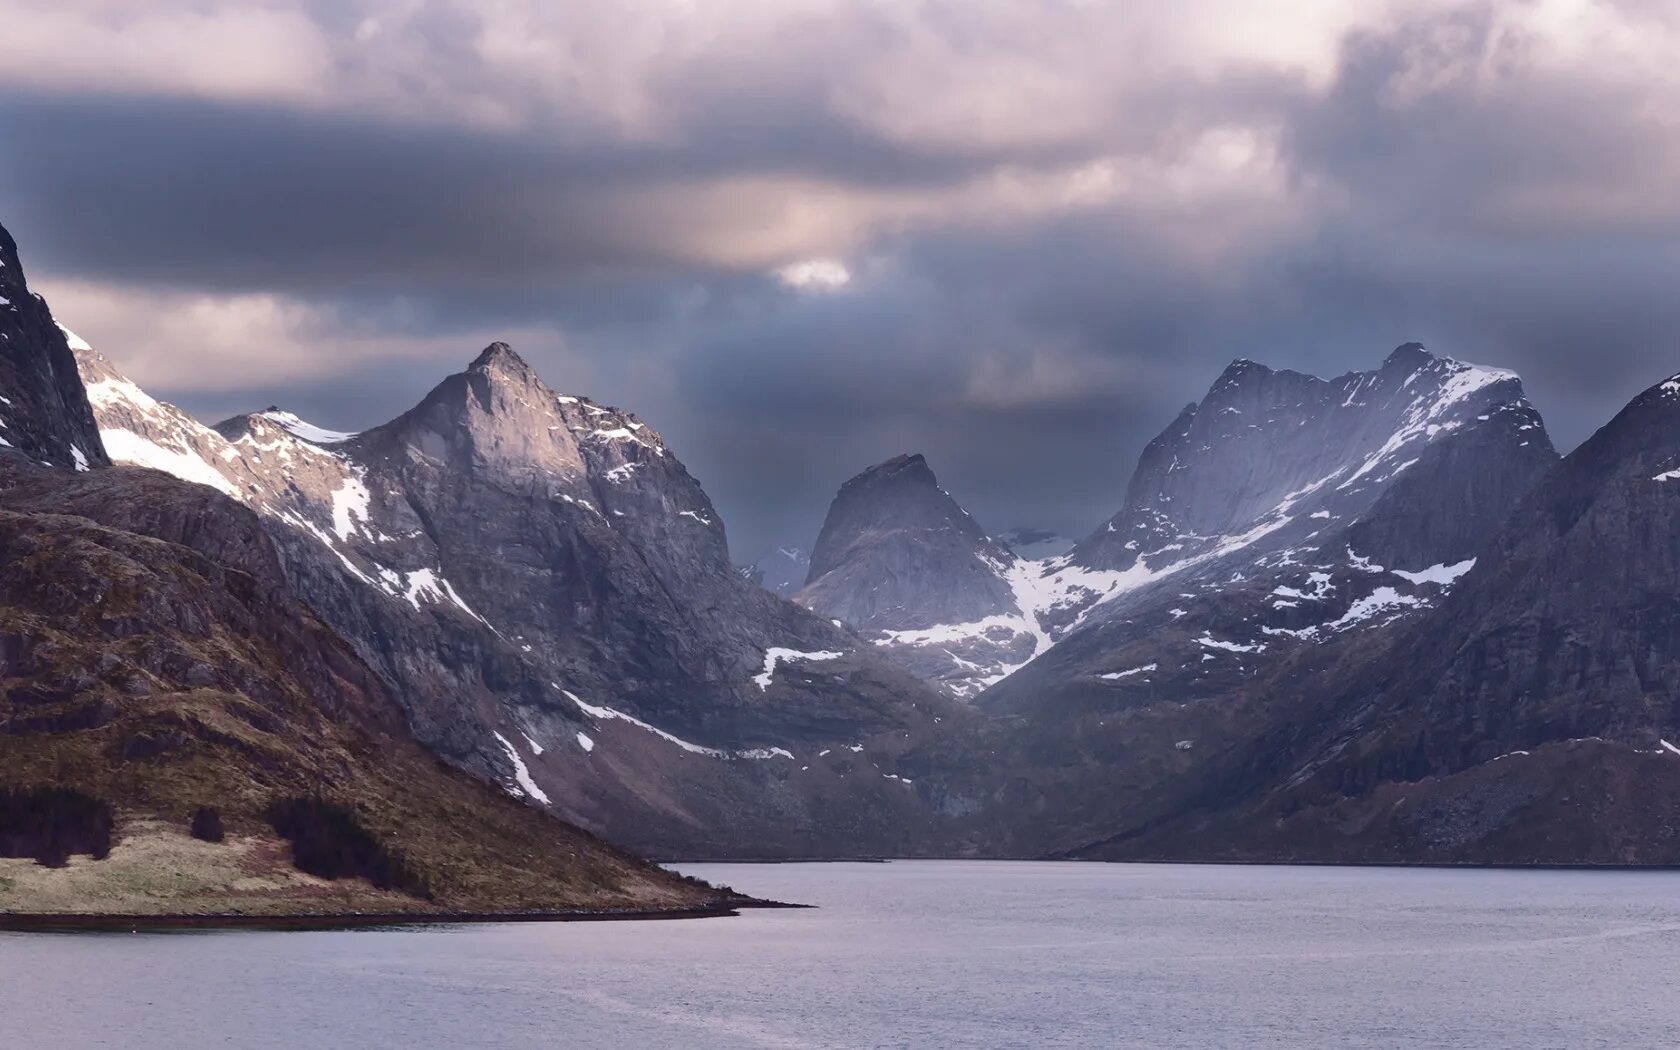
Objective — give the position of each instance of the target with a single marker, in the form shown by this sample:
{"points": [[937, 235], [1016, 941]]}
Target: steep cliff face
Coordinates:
{"points": [[45, 415], [549, 592], [897, 552]]}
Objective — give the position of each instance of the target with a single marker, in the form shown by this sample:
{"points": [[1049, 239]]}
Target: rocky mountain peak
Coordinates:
{"points": [[43, 407], [501, 358], [898, 556], [906, 468], [902, 497], [1266, 447], [1409, 357]]}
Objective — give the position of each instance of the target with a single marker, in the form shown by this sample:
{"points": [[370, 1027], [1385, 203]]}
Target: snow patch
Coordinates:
{"points": [[305, 430], [75, 341], [1441, 574], [125, 446], [1116, 675], [349, 502], [776, 655], [521, 775]]}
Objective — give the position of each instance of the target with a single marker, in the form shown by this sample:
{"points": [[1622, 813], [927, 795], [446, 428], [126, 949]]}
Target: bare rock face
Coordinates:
{"points": [[897, 552], [45, 415]]}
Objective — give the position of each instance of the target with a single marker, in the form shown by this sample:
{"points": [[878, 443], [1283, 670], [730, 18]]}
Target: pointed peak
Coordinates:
{"points": [[1409, 356], [500, 357], [1243, 366], [910, 467]]}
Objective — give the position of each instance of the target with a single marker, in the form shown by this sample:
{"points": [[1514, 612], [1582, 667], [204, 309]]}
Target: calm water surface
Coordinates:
{"points": [[923, 954]]}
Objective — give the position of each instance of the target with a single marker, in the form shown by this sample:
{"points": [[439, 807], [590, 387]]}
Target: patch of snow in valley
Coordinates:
{"points": [[1208, 641], [601, 713]]}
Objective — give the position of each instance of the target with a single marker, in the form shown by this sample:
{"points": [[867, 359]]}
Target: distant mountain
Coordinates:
{"points": [[1344, 510], [170, 707], [1534, 719], [549, 592], [1035, 544], [781, 572], [899, 560], [1283, 511]]}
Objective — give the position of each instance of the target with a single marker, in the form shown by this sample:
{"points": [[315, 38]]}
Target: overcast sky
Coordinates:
{"points": [[800, 236]]}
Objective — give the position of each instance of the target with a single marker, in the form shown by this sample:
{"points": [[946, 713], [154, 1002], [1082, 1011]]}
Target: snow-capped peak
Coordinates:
{"points": [[303, 429]]}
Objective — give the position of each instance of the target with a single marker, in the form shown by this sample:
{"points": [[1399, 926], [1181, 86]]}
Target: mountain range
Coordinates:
{"points": [[1367, 618], [175, 710]]}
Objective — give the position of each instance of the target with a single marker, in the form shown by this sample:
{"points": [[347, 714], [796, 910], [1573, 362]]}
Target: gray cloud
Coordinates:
{"points": [[1059, 220]]}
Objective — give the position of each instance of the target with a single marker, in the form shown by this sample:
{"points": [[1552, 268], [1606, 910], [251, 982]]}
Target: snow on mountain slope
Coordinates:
{"points": [[1344, 505], [1276, 475]]}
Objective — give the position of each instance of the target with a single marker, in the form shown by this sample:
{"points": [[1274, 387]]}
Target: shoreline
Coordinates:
{"points": [[91, 922]]}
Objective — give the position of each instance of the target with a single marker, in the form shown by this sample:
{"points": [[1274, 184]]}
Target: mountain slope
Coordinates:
{"points": [[1345, 504], [1228, 589], [170, 708], [546, 589], [1533, 719]]}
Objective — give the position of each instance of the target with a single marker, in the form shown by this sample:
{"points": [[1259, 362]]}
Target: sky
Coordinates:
{"points": [[799, 237]]}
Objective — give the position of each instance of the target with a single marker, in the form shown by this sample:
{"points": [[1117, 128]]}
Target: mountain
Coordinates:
{"points": [[1246, 552], [1283, 511], [549, 594], [44, 414], [782, 572], [900, 561], [1534, 719], [173, 710]]}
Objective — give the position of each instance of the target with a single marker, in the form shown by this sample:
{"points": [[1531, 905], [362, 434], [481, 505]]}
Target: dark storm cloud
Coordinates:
{"points": [[1055, 236]]}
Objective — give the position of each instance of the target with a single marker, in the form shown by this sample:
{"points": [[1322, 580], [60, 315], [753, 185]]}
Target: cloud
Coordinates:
{"points": [[1052, 222]]}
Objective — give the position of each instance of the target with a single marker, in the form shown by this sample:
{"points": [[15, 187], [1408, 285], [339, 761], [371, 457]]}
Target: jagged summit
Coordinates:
{"points": [[911, 467], [899, 558], [1266, 446], [500, 357], [902, 497], [43, 407]]}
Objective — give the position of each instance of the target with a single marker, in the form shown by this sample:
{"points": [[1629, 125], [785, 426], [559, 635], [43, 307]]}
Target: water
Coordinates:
{"points": [[922, 955]]}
